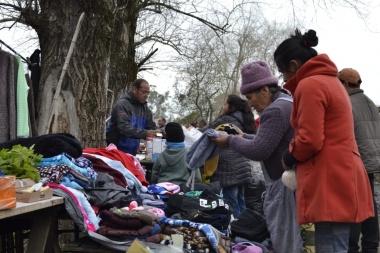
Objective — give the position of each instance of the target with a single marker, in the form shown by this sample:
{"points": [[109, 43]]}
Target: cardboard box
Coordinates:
{"points": [[7, 192], [25, 182], [32, 196]]}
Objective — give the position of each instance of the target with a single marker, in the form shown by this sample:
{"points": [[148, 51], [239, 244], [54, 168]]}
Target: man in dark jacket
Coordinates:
{"points": [[367, 135], [131, 119]]}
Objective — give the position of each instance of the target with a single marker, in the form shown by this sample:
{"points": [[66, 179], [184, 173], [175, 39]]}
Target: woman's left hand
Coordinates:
{"points": [[221, 140]]}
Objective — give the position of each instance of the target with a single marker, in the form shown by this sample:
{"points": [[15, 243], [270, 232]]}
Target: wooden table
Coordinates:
{"points": [[43, 217]]}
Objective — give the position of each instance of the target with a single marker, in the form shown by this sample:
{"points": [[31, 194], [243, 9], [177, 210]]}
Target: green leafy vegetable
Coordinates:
{"points": [[21, 162]]}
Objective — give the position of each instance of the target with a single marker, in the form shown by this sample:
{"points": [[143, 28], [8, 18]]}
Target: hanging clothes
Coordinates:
{"points": [[8, 79], [22, 102], [35, 75]]}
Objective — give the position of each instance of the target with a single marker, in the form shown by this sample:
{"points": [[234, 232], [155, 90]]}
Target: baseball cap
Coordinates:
{"points": [[350, 75]]}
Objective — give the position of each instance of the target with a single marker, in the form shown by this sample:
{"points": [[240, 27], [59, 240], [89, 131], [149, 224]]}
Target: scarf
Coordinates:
{"points": [[172, 145]]}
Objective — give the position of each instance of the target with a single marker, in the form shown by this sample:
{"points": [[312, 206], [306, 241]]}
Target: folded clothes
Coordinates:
{"points": [[49, 145], [169, 186]]}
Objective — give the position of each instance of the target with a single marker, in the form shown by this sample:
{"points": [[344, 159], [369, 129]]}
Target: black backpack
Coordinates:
{"points": [[207, 208]]}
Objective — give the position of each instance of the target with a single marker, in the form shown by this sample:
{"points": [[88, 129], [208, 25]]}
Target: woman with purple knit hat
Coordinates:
{"points": [[274, 105]]}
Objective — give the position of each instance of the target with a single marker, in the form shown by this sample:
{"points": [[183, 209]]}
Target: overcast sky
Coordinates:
{"points": [[350, 41], [347, 39]]}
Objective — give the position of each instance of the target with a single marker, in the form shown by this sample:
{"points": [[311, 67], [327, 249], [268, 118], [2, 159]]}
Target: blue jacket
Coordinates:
{"points": [[129, 123]]}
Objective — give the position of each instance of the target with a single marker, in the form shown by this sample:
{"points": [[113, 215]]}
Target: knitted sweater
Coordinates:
{"points": [[171, 166], [272, 138], [233, 168]]}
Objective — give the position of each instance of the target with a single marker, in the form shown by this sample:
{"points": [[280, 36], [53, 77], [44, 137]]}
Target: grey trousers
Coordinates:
{"points": [[281, 217]]}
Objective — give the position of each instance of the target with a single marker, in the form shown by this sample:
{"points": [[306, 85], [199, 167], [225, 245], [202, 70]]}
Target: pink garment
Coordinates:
{"points": [[242, 248], [169, 186], [88, 223], [133, 206], [111, 146], [138, 164], [157, 211]]}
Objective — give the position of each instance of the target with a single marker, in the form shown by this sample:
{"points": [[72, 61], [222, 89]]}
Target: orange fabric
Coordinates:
{"points": [[332, 184], [7, 192], [119, 155]]}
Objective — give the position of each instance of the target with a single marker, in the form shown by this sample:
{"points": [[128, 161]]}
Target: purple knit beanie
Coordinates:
{"points": [[255, 75]]}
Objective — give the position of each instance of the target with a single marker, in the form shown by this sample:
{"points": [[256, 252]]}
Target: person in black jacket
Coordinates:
{"points": [[234, 171]]}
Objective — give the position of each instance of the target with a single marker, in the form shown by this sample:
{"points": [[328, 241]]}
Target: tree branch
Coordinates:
{"points": [[146, 58], [160, 40], [213, 26], [4, 20], [15, 7]]}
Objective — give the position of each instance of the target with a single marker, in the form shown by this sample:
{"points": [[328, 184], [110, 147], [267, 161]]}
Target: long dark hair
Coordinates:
{"points": [[236, 103], [297, 47]]}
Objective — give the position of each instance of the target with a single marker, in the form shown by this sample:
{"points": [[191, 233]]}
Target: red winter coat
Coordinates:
{"points": [[332, 184]]}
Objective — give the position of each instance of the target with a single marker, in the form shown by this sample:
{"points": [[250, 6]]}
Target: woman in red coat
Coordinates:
{"points": [[332, 186]]}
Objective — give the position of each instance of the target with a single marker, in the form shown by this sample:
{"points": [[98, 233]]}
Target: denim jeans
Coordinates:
{"points": [[368, 228], [235, 194], [331, 237]]}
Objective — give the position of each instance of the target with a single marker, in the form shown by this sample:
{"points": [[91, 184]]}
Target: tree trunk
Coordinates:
{"points": [[103, 59]]}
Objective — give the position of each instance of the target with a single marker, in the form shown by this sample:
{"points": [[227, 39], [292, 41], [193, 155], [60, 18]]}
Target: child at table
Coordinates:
{"points": [[171, 165]]}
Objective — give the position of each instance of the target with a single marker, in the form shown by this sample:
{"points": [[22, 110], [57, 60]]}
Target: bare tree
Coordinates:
{"points": [[211, 64], [158, 103], [117, 40], [104, 58]]}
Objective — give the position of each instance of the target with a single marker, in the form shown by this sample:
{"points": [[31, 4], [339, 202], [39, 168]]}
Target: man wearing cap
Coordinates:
{"points": [[367, 135]]}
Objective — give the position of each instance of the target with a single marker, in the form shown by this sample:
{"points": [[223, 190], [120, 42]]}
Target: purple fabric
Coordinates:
{"points": [[255, 75], [103, 230], [241, 248]]}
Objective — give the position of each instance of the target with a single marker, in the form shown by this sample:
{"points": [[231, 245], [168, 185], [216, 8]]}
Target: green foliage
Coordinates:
{"points": [[20, 161], [187, 119]]}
